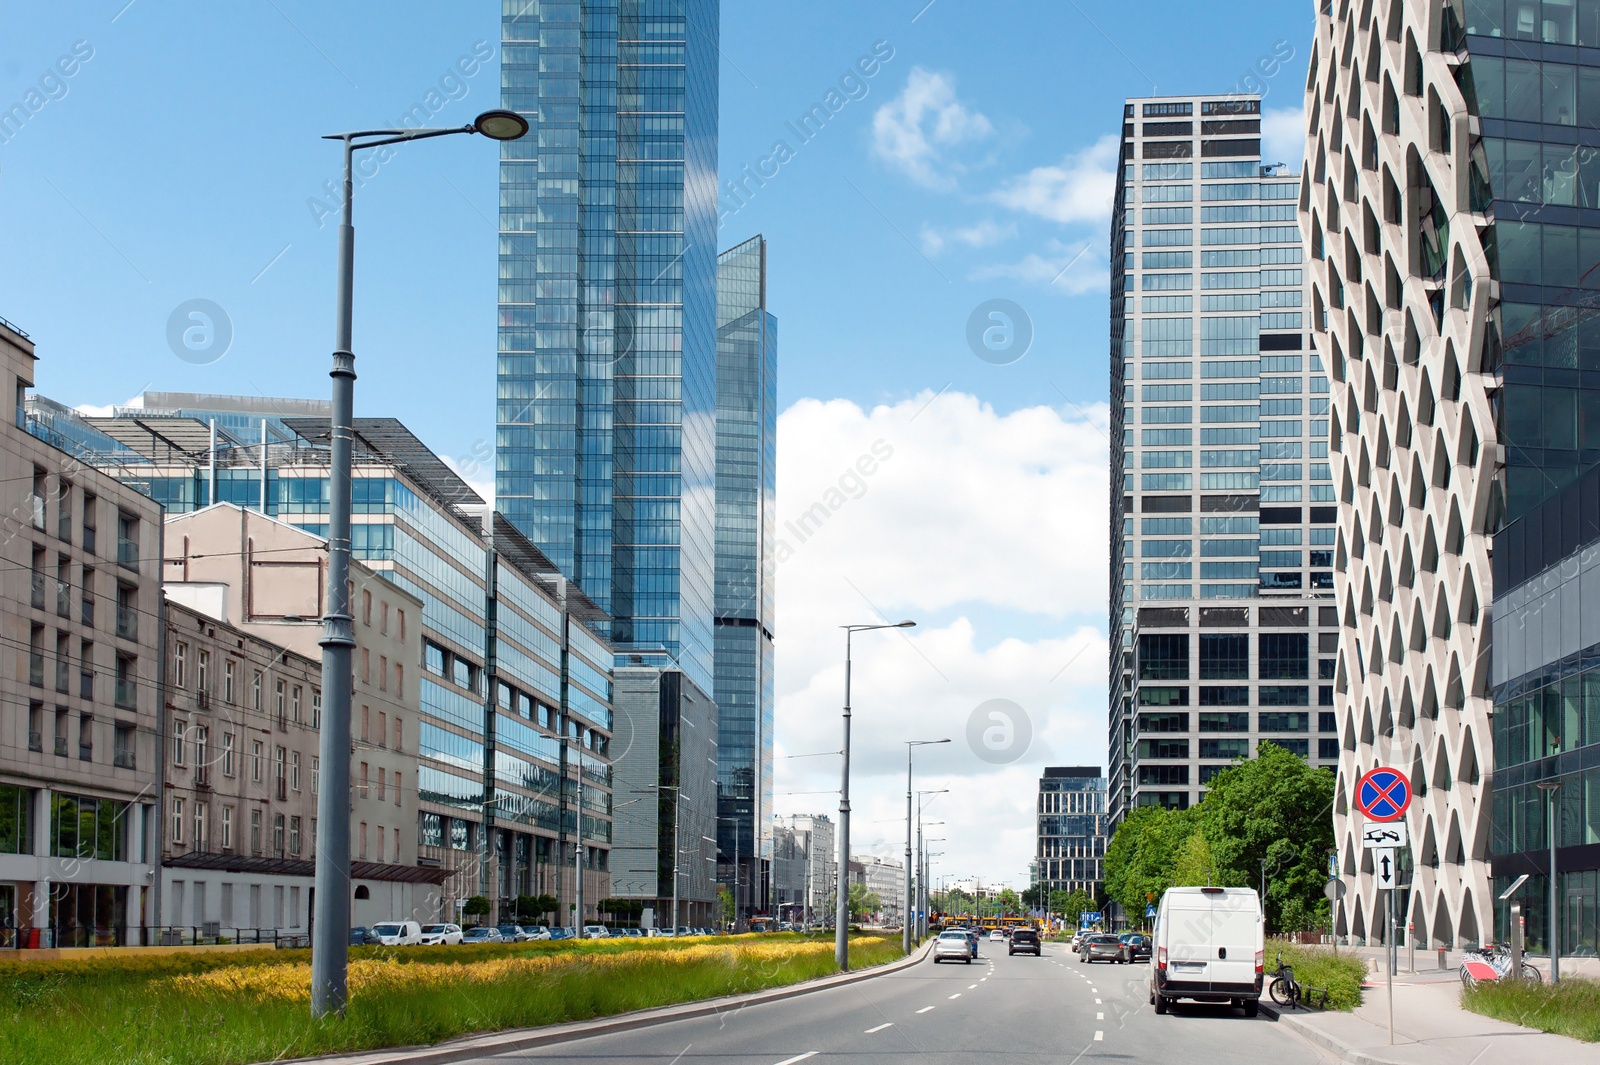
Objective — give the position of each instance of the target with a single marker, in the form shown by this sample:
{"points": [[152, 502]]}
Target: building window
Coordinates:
{"points": [[362, 843], [383, 729], [402, 623], [316, 772], [280, 774], [177, 820], [294, 771], [366, 607], [383, 673], [399, 734], [202, 748], [397, 790], [255, 690], [294, 835], [200, 834], [277, 836], [1284, 655], [381, 834], [179, 735], [255, 760], [227, 681], [227, 754], [294, 706], [202, 671], [180, 660], [363, 790], [383, 788], [280, 688], [383, 618], [316, 707], [227, 828], [1225, 656], [1163, 656], [255, 831], [123, 739]]}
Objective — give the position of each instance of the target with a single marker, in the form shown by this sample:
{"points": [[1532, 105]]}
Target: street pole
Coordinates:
{"points": [[677, 824], [577, 860], [905, 920], [1550, 787], [1389, 959], [841, 929], [330, 938]]}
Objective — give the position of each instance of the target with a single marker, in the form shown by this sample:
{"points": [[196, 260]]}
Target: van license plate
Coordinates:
{"points": [[1189, 966]]}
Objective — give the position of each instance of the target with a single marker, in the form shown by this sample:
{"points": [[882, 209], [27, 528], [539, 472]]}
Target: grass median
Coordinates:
{"points": [[1570, 1008], [211, 1009]]}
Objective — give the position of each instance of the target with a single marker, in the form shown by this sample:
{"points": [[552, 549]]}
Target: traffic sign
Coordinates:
{"points": [[1088, 917], [1383, 794], [1384, 864], [1384, 834], [1334, 889], [1149, 911]]}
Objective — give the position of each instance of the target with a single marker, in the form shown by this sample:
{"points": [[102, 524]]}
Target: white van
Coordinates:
{"points": [[1208, 947], [398, 933]]}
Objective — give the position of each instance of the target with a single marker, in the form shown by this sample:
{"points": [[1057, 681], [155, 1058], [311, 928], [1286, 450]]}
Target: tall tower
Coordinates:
{"points": [[606, 407], [1223, 500], [747, 445]]}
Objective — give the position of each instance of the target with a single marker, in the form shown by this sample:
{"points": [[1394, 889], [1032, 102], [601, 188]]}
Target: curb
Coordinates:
{"points": [[467, 1048], [1317, 1037]]}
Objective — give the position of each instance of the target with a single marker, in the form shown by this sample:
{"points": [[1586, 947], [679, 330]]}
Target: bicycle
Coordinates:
{"points": [[1284, 989], [1492, 962]]}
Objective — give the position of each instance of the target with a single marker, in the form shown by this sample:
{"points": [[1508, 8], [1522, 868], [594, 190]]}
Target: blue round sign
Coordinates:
{"points": [[1383, 794]]}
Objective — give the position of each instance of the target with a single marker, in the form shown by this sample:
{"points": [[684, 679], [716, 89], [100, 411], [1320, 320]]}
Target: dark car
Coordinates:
{"points": [[1025, 941], [1101, 946], [1135, 947], [363, 936]]}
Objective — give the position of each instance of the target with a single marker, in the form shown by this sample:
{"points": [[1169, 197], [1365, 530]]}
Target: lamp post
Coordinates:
{"points": [[330, 943], [922, 860], [841, 932], [735, 821], [677, 824], [905, 920], [1550, 787]]}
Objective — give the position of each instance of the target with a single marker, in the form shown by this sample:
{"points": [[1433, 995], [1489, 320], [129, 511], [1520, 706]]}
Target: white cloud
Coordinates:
{"points": [[1080, 189], [981, 235], [1283, 137], [911, 131], [478, 477], [991, 531], [1071, 269], [90, 410]]}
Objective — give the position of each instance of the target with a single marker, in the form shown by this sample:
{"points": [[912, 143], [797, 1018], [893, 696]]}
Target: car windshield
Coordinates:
{"points": [[387, 929], [433, 929], [953, 935]]}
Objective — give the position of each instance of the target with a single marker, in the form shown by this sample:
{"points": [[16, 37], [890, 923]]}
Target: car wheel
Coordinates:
{"points": [[1252, 1007], [1160, 1003]]}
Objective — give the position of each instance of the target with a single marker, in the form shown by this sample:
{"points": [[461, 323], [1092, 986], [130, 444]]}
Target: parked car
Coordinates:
{"points": [[482, 933], [1025, 941], [512, 933], [655, 933], [398, 933], [535, 931], [561, 933], [1100, 946], [596, 931], [434, 935], [1208, 947], [953, 945], [1135, 947], [363, 936], [633, 933]]}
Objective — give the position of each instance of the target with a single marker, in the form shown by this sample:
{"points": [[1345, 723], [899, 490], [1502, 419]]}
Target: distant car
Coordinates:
{"points": [[997, 936], [562, 933], [363, 936], [1101, 946], [596, 931], [953, 945], [1135, 947], [513, 933], [654, 933], [535, 931], [973, 936], [1025, 941], [441, 935], [633, 933], [1077, 941], [482, 933]]}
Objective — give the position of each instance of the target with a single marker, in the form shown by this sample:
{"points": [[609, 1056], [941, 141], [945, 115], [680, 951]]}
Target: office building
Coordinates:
{"points": [[513, 696], [747, 444], [1223, 506], [885, 878], [605, 444], [1450, 245], [1071, 841], [80, 768], [815, 845]]}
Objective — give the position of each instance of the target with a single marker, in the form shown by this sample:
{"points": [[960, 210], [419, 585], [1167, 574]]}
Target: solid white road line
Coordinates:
{"points": [[800, 1057], [880, 1028], [925, 1009]]}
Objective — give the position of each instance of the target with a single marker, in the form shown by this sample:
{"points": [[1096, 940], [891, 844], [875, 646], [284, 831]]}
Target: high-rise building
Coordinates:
{"points": [[1071, 820], [1223, 506], [605, 445], [1448, 214], [747, 430]]}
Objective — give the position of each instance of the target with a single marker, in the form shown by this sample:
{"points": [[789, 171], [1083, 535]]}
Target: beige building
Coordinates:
{"points": [[79, 774], [244, 717]]}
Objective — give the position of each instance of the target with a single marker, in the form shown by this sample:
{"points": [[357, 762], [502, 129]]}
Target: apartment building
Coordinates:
{"points": [[80, 775]]}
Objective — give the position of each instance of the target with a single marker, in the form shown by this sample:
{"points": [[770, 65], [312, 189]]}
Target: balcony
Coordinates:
{"points": [[37, 598], [127, 553], [85, 752], [35, 741], [123, 760], [61, 746], [202, 776], [126, 695], [127, 622]]}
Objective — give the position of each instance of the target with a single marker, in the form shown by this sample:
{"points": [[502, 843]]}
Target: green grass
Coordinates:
{"points": [[1570, 1008], [129, 1011], [1318, 967]]}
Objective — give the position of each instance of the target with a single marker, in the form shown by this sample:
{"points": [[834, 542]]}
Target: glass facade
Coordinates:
{"points": [[1222, 486], [1071, 841], [747, 428], [606, 401]]}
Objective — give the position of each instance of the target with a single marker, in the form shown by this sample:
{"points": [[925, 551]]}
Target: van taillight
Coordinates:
{"points": [[1258, 962], [1161, 957]]}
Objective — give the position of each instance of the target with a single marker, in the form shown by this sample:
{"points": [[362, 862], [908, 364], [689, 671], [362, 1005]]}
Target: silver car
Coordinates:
{"points": [[952, 945]]}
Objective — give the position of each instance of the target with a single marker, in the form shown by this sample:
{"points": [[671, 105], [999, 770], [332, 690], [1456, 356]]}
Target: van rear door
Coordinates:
{"points": [[1187, 936], [1235, 938]]}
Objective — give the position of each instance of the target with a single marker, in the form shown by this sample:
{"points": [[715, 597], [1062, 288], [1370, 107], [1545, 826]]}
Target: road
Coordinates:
{"points": [[998, 1008]]}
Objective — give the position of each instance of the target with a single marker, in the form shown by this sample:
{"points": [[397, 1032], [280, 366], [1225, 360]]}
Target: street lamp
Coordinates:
{"points": [[735, 820], [330, 943], [1550, 787], [922, 870], [905, 920], [677, 823], [841, 933]]}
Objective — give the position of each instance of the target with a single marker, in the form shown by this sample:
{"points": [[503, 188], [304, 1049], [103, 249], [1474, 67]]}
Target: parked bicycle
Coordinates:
{"points": [[1284, 989], [1492, 962]]}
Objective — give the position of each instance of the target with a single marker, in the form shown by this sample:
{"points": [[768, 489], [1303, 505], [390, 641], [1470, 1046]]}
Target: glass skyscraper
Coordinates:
{"points": [[1069, 854], [606, 411], [747, 430], [1222, 499]]}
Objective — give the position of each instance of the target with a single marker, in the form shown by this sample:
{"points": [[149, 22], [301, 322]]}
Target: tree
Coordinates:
{"points": [[1008, 903], [1194, 865], [1068, 904], [1143, 853], [1271, 817], [476, 906], [863, 902], [544, 904], [958, 901], [725, 904], [526, 909], [1034, 897]]}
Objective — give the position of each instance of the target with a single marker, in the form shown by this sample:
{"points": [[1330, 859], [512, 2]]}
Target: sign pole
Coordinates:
{"points": [[1388, 963]]}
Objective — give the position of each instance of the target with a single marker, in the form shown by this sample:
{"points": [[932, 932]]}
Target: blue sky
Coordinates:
{"points": [[179, 160]]}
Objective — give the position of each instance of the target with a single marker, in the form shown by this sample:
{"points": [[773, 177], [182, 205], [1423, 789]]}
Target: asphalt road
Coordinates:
{"points": [[1018, 1010]]}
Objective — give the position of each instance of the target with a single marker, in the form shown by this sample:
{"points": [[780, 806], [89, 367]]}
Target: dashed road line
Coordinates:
{"points": [[880, 1028], [925, 1009], [971, 987], [800, 1057], [1099, 1016], [1099, 1037], [956, 995]]}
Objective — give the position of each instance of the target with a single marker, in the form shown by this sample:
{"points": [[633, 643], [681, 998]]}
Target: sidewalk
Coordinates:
{"points": [[1430, 1026]]}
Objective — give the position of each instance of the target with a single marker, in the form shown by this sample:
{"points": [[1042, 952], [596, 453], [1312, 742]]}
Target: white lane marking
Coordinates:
{"points": [[800, 1057], [1097, 1002], [1098, 1037], [1099, 1016], [1094, 990], [971, 987], [925, 1009], [956, 995], [880, 1028]]}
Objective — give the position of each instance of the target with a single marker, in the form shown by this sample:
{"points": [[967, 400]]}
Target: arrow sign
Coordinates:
{"points": [[1384, 834], [1384, 864], [1383, 794]]}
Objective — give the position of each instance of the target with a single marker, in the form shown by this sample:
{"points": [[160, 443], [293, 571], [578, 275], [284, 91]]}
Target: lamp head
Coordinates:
{"points": [[501, 125]]}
